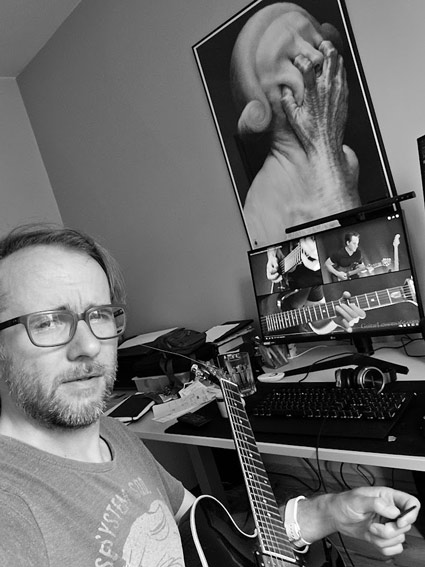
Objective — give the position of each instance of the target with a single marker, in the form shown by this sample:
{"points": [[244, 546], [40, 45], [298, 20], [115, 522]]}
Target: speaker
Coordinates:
{"points": [[364, 377]]}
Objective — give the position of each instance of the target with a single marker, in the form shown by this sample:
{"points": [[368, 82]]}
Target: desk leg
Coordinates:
{"points": [[206, 472]]}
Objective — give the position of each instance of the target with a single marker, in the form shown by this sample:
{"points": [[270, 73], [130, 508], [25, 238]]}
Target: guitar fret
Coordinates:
{"points": [[268, 520], [313, 313]]}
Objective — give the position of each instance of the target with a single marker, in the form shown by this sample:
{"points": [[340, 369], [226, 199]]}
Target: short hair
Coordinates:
{"points": [[349, 235], [41, 234]]}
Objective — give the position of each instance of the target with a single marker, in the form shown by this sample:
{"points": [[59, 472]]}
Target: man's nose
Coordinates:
{"points": [[84, 343]]}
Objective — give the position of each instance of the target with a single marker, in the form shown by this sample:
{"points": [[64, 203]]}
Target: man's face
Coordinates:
{"points": [[353, 244], [62, 386]]}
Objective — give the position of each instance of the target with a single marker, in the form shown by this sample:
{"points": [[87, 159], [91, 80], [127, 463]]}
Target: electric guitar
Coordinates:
{"points": [[355, 270], [268, 545], [301, 254], [396, 243], [321, 311]]}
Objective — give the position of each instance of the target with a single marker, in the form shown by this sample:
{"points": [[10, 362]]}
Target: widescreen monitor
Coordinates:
{"points": [[300, 283]]}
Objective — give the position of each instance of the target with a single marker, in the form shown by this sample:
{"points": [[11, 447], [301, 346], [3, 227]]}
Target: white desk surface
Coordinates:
{"points": [[148, 429]]}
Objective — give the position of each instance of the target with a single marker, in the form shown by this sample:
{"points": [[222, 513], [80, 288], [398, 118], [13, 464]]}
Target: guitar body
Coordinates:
{"points": [[218, 542], [354, 272]]}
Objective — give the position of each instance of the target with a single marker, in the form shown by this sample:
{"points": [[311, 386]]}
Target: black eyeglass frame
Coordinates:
{"points": [[84, 316]]}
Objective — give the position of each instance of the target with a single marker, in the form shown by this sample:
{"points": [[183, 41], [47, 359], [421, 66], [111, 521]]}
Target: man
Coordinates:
{"points": [[347, 262], [299, 267], [76, 488], [289, 83]]}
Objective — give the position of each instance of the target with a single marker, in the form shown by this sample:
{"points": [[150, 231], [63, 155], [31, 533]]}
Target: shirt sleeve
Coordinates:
{"points": [[173, 487], [21, 542]]}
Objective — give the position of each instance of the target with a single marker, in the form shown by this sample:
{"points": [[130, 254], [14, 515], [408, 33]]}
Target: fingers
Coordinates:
{"points": [[350, 314], [330, 58], [387, 537], [307, 69]]}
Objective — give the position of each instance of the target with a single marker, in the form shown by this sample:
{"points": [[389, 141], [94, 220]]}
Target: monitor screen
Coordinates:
{"points": [[301, 284]]}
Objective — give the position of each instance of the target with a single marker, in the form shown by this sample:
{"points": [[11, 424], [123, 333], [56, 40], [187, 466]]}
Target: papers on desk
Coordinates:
{"points": [[192, 397], [219, 331]]}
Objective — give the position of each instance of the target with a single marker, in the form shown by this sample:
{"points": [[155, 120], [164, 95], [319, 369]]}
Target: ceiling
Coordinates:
{"points": [[25, 26]]}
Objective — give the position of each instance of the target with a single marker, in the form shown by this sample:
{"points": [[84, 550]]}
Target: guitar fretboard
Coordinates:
{"points": [[270, 527], [291, 260], [320, 311]]}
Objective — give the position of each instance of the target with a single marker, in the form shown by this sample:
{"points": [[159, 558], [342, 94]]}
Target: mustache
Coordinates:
{"points": [[85, 370]]}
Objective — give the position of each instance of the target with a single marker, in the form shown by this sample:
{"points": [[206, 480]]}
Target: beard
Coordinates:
{"points": [[45, 404]]}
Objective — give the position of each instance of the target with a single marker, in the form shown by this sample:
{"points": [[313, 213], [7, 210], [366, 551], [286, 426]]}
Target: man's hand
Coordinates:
{"points": [[348, 313], [367, 513], [272, 269]]}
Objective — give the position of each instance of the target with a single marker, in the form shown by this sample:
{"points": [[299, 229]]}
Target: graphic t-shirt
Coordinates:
{"points": [[56, 511]]}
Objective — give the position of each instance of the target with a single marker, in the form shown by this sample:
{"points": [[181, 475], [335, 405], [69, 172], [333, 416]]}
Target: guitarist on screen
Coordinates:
{"points": [[347, 262], [299, 268]]}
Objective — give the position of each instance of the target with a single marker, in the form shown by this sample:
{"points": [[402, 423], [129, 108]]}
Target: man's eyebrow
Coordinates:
{"points": [[67, 307]]}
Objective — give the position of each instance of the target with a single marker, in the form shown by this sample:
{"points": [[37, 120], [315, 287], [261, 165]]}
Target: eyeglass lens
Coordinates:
{"points": [[57, 327]]}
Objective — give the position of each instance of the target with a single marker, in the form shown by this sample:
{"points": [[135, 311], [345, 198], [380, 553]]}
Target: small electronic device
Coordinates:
{"points": [[132, 408], [194, 419]]}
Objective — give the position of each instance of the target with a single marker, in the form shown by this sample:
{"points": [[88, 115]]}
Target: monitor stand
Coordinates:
{"points": [[363, 344], [356, 359]]}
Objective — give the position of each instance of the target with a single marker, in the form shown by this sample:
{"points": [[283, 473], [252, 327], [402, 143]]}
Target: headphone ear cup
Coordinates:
{"points": [[345, 378], [371, 378]]}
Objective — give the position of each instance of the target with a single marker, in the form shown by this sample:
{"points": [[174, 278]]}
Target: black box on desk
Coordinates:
{"points": [[142, 362]]}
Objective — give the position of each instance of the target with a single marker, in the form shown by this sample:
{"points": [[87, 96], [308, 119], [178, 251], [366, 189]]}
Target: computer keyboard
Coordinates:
{"points": [[304, 409]]}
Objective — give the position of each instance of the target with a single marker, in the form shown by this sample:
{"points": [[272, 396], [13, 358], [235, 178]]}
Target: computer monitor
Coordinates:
{"points": [[370, 259]]}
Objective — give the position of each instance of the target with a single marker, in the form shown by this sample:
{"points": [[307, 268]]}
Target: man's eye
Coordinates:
{"points": [[47, 324], [100, 316]]}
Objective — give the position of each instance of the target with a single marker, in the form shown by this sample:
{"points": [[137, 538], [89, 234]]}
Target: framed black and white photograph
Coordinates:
{"points": [[293, 114]]}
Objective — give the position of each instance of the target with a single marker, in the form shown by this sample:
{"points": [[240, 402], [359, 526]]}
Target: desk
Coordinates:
{"points": [[200, 446]]}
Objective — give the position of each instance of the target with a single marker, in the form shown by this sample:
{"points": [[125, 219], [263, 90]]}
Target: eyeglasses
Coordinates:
{"points": [[57, 327]]}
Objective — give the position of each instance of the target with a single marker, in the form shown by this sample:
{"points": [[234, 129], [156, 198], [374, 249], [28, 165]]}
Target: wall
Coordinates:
{"points": [[126, 134], [391, 43], [25, 191]]}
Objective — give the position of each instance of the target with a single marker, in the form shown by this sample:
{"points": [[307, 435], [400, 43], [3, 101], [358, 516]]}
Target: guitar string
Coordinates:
{"points": [[249, 450], [266, 516], [267, 512], [367, 301], [292, 259]]}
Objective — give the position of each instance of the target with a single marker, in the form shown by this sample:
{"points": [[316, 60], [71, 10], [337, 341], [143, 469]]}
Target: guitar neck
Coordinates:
{"points": [[291, 260], [270, 527], [321, 311]]}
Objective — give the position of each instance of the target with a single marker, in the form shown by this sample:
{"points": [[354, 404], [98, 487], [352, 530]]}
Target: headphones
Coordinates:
{"points": [[364, 377]]}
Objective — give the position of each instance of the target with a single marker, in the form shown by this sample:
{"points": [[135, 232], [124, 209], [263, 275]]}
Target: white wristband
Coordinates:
{"points": [[291, 524]]}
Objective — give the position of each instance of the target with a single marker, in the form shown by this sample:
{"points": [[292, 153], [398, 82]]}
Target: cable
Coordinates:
{"points": [[287, 475], [331, 356], [370, 482], [307, 461], [332, 475], [308, 350], [341, 466]]}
